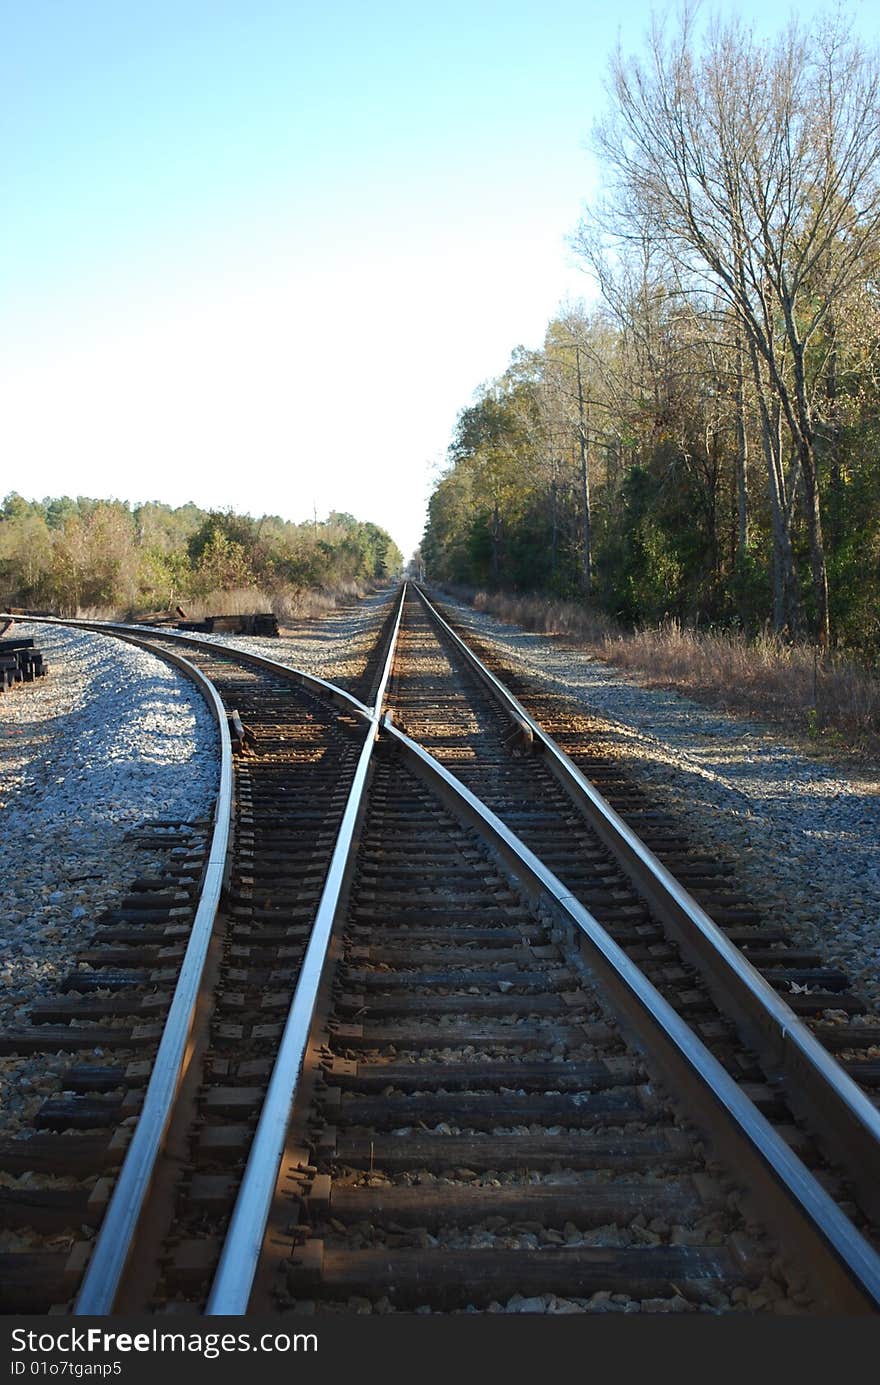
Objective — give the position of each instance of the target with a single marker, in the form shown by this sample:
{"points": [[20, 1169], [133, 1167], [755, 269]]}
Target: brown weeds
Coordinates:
{"points": [[288, 603], [793, 684]]}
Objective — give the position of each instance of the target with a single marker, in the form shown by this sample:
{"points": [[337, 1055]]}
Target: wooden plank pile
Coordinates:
{"points": [[20, 662]]}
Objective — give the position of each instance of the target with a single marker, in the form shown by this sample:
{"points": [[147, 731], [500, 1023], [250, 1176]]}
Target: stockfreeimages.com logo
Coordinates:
{"points": [[91, 1340]]}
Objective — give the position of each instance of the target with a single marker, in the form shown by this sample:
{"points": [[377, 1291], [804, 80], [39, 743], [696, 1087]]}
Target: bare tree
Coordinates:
{"points": [[758, 172]]}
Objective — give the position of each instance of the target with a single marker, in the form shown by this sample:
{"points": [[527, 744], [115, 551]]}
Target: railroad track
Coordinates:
{"points": [[165, 953], [709, 943], [423, 1070]]}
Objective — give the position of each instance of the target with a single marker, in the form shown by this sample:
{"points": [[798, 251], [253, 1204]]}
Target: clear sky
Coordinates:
{"points": [[258, 253]]}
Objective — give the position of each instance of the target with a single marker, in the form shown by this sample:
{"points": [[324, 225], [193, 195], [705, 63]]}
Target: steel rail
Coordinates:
{"points": [[788, 1195], [233, 1282], [841, 1117], [381, 687], [115, 1237], [141, 633], [850, 1260], [114, 1241]]}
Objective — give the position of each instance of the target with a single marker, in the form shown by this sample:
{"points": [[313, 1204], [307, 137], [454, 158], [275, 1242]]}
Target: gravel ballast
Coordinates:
{"points": [[806, 836], [111, 738]]}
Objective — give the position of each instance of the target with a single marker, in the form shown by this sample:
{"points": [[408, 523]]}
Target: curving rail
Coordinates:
{"points": [[149, 635], [114, 1240], [787, 1193]]}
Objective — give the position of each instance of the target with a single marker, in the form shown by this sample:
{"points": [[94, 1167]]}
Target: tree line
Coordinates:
{"points": [[70, 554], [704, 442]]}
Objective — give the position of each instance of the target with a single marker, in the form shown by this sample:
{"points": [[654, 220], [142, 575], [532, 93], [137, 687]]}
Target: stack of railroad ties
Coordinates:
{"points": [[261, 623], [20, 662]]}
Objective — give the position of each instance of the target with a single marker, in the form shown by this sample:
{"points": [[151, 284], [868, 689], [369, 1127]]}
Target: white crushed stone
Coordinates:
{"points": [[806, 836], [111, 738]]}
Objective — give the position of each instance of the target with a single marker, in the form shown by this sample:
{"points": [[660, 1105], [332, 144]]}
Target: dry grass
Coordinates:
{"points": [[287, 603], [290, 604], [547, 616], [829, 697], [239, 601], [111, 613]]}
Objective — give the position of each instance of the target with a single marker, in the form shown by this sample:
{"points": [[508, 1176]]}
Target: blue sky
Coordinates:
{"points": [[260, 254]]}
